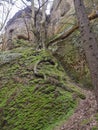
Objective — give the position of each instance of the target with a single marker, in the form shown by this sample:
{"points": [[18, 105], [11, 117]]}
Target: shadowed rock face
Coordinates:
{"points": [[60, 13], [59, 9], [19, 27]]}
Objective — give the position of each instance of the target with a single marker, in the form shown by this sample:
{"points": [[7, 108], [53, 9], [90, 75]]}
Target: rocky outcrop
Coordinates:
{"points": [[59, 9], [19, 27], [61, 13]]}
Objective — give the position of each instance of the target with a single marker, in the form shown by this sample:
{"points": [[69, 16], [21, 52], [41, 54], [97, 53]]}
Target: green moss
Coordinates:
{"points": [[21, 42], [95, 128], [72, 57], [29, 102], [96, 116]]}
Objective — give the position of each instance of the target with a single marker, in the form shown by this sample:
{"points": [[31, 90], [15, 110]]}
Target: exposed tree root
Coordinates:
{"points": [[36, 73], [40, 75], [57, 83]]}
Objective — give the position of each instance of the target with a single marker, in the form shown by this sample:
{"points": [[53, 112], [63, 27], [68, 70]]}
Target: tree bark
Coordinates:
{"points": [[89, 43], [43, 23], [33, 24], [33, 12]]}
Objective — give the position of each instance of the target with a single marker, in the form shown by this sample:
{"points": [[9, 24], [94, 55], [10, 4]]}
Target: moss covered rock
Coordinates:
{"points": [[35, 92]]}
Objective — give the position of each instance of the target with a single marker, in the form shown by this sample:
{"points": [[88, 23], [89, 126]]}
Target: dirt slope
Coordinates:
{"points": [[85, 116]]}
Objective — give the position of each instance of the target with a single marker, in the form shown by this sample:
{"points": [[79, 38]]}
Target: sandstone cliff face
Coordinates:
{"points": [[19, 27], [61, 13], [59, 9]]}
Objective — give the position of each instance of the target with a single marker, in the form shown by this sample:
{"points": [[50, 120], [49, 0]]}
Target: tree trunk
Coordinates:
{"points": [[33, 24], [89, 43], [43, 23], [33, 12]]}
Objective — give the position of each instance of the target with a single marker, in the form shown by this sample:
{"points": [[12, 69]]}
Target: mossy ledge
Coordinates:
{"points": [[34, 90]]}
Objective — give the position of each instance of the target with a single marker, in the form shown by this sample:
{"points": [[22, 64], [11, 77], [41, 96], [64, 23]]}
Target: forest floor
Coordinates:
{"points": [[85, 116]]}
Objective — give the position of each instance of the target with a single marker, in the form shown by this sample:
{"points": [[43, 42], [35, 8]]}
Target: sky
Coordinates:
{"points": [[13, 9], [16, 7]]}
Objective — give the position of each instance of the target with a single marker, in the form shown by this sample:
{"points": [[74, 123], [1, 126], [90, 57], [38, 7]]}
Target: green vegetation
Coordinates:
{"points": [[96, 116], [21, 42], [95, 128], [35, 93], [72, 57]]}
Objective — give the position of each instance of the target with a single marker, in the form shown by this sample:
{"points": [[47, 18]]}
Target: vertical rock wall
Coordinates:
{"points": [[62, 11]]}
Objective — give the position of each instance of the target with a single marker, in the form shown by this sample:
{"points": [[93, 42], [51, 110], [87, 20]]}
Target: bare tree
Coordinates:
{"points": [[43, 23], [39, 34]]}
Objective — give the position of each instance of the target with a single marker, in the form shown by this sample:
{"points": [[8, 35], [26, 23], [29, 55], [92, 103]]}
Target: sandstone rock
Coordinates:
{"points": [[61, 13], [19, 27]]}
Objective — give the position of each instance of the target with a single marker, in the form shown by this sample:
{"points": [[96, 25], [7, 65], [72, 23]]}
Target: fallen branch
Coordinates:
{"points": [[92, 16]]}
